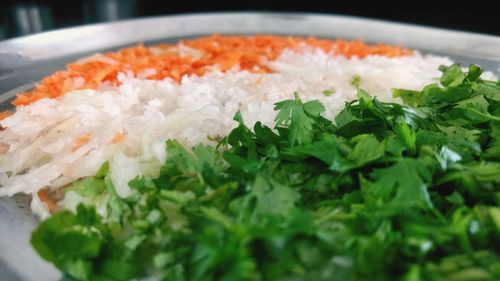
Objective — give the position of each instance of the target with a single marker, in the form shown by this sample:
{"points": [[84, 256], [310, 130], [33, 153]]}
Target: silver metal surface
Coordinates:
{"points": [[25, 60]]}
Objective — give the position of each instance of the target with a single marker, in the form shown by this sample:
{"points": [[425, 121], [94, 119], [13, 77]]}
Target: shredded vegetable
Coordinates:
{"points": [[190, 57]]}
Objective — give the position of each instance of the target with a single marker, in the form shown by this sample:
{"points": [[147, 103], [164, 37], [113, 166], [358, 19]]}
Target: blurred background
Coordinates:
{"points": [[31, 16]]}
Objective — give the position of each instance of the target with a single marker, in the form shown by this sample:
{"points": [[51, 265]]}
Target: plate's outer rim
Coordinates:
{"points": [[24, 60], [67, 41]]}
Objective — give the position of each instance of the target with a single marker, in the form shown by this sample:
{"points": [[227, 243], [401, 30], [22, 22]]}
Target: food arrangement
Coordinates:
{"points": [[261, 158]]}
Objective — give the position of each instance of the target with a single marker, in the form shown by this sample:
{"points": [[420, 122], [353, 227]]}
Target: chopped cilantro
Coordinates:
{"points": [[356, 80], [328, 92]]}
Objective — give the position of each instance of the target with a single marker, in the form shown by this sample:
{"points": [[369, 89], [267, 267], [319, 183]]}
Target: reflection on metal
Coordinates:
{"points": [[109, 10], [28, 19]]}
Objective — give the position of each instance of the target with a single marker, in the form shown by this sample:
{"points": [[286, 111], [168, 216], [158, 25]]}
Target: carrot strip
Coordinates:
{"points": [[45, 198], [5, 114], [118, 138], [81, 141]]}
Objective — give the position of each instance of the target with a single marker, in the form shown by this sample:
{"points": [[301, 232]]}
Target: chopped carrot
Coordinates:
{"points": [[49, 201], [81, 141], [191, 57], [5, 114], [118, 138]]}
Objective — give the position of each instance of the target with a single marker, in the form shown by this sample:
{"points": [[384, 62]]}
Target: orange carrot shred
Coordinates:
{"points": [[81, 141], [5, 114], [118, 138], [45, 198]]}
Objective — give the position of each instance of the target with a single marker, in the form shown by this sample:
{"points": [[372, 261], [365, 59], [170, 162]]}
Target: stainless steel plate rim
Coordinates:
{"points": [[78, 39]]}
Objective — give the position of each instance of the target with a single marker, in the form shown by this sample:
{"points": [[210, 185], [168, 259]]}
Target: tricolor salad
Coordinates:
{"points": [[261, 158]]}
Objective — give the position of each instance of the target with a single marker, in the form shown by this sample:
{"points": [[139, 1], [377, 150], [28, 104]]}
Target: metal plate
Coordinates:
{"points": [[25, 60]]}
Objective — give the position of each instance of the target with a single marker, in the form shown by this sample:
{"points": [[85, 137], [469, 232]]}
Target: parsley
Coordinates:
{"points": [[328, 92], [386, 192], [356, 80]]}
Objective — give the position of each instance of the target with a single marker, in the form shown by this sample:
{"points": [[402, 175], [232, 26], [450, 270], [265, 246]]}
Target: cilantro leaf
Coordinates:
{"points": [[298, 116], [404, 184]]}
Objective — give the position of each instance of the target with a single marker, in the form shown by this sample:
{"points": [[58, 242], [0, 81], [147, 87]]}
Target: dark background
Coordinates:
{"points": [[26, 17]]}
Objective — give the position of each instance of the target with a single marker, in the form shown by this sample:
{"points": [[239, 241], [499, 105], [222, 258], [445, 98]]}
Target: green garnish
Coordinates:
{"points": [[356, 80], [328, 92], [386, 192]]}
